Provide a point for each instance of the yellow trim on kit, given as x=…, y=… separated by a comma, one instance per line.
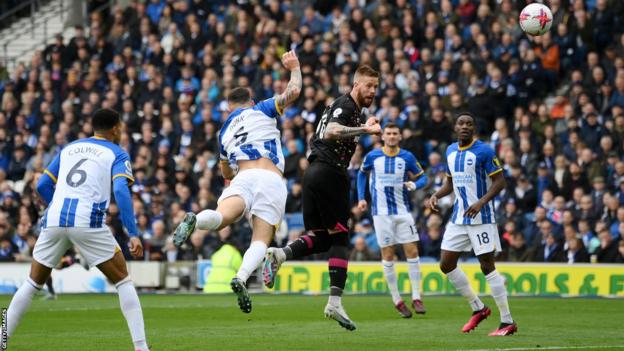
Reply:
x=496, y=171
x=277, y=107
x=124, y=175
x=50, y=175
x=462, y=148
x=383, y=149
x=98, y=137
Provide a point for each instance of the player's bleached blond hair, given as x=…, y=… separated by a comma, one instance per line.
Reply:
x=366, y=71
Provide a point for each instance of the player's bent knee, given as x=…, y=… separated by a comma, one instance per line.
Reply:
x=262, y=230
x=487, y=267
x=125, y=280
x=232, y=209
x=339, y=251
x=486, y=262
x=411, y=250
x=447, y=267
x=387, y=253
x=39, y=273
x=322, y=246
x=114, y=269
x=339, y=239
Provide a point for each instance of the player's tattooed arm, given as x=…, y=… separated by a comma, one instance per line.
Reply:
x=293, y=89
x=336, y=130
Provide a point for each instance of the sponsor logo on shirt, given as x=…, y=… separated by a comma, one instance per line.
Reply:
x=463, y=179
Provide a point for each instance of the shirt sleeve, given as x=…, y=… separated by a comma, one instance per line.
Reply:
x=413, y=165
x=123, y=198
x=45, y=188
x=122, y=167
x=53, y=168
x=490, y=162
x=367, y=164
x=447, y=170
x=222, y=154
x=341, y=114
x=361, y=184
x=269, y=107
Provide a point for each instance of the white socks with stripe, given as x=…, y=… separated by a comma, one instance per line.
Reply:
x=391, y=279
x=20, y=303
x=415, y=276
x=208, y=220
x=459, y=280
x=252, y=259
x=499, y=293
x=131, y=309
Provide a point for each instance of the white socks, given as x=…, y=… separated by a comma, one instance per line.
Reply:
x=131, y=309
x=391, y=279
x=335, y=300
x=459, y=280
x=499, y=293
x=280, y=255
x=20, y=303
x=252, y=259
x=415, y=276
x=208, y=220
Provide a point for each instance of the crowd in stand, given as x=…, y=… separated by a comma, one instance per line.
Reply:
x=551, y=106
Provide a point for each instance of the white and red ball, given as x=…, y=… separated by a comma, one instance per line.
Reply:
x=535, y=19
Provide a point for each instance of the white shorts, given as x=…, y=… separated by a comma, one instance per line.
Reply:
x=395, y=229
x=482, y=238
x=264, y=193
x=96, y=245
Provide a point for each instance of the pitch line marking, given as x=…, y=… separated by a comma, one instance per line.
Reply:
x=551, y=348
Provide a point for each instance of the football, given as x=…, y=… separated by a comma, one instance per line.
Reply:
x=535, y=19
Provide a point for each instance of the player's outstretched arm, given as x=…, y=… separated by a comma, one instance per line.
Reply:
x=126, y=212
x=293, y=89
x=498, y=184
x=336, y=130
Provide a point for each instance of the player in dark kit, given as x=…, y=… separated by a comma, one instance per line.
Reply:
x=326, y=208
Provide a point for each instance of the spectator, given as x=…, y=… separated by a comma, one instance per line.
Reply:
x=607, y=252
x=576, y=252
x=364, y=230
x=7, y=252
x=518, y=250
x=556, y=120
x=361, y=252
x=620, y=256
x=431, y=238
x=156, y=244
x=590, y=241
x=550, y=250
x=294, y=200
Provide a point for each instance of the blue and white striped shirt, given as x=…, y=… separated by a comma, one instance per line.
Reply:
x=471, y=168
x=389, y=172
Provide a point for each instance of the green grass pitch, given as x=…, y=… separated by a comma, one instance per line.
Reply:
x=294, y=322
